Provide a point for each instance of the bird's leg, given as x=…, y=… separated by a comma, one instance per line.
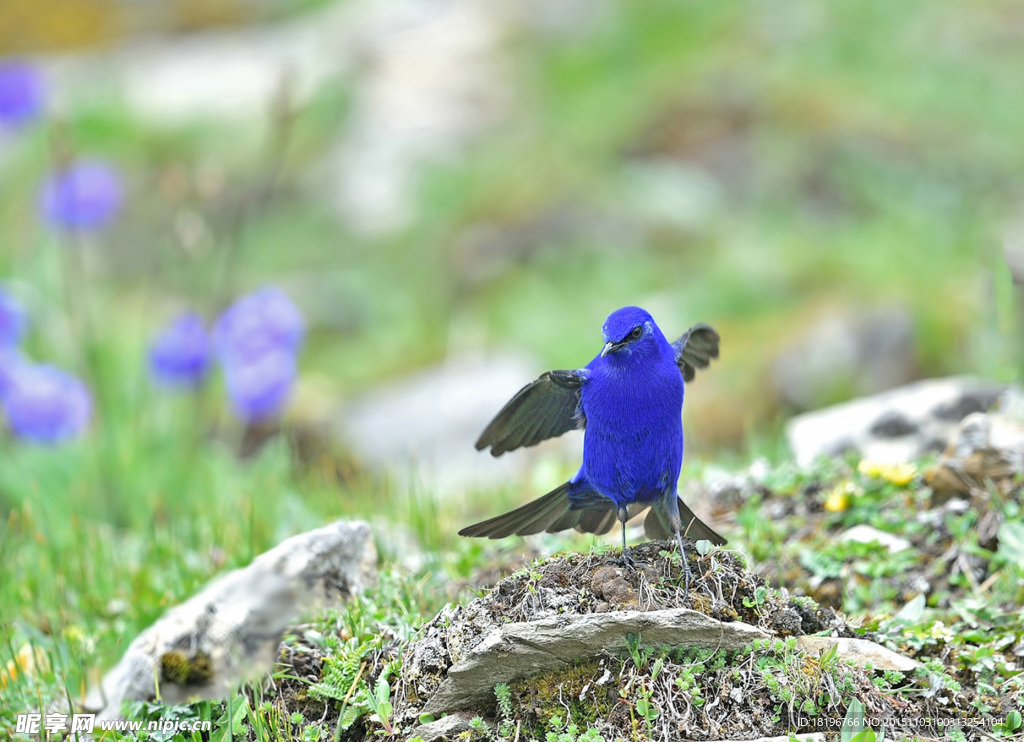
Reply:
x=627, y=560
x=686, y=566
x=677, y=525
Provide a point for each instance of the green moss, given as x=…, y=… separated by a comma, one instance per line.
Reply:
x=544, y=697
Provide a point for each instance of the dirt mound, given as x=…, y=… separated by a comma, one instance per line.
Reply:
x=767, y=688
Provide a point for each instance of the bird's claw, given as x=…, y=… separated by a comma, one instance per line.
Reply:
x=627, y=561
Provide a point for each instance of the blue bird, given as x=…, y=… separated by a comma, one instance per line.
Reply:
x=629, y=401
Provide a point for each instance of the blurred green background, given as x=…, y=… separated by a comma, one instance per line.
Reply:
x=426, y=179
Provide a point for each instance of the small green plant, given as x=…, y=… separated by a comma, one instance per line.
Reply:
x=1011, y=725
x=560, y=731
x=641, y=654
x=760, y=595
x=379, y=700
x=479, y=728
x=646, y=708
x=504, y=695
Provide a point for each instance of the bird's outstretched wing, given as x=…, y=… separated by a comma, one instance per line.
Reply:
x=552, y=513
x=542, y=409
x=695, y=349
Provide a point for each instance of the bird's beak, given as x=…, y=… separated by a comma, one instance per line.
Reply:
x=610, y=347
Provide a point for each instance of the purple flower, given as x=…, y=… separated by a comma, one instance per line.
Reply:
x=257, y=323
x=259, y=386
x=21, y=93
x=11, y=362
x=180, y=354
x=12, y=320
x=84, y=195
x=46, y=405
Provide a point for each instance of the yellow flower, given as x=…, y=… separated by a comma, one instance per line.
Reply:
x=28, y=660
x=898, y=474
x=839, y=498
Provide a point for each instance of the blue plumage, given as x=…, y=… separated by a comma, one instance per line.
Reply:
x=629, y=399
x=632, y=399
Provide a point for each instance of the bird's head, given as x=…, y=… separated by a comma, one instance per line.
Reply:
x=628, y=329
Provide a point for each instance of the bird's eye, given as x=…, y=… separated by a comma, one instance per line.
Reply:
x=637, y=332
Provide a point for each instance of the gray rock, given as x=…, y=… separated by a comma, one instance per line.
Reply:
x=423, y=428
x=445, y=728
x=893, y=427
x=860, y=651
x=519, y=650
x=858, y=352
x=230, y=631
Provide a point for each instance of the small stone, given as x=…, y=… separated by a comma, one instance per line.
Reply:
x=447, y=727
x=860, y=651
x=865, y=534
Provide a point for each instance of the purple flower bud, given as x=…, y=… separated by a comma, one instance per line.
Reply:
x=21, y=93
x=257, y=323
x=84, y=195
x=259, y=385
x=46, y=405
x=12, y=320
x=180, y=354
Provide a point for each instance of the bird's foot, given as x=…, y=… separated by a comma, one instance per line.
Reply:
x=627, y=561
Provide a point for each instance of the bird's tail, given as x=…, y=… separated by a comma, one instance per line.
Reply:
x=552, y=512
x=658, y=524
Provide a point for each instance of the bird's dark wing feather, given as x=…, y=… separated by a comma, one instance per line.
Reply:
x=542, y=409
x=587, y=511
x=657, y=526
x=553, y=512
x=695, y=349
x=597, y=519
x=533, y=517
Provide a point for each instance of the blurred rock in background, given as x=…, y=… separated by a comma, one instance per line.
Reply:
x=896, y=426
x=423, y=428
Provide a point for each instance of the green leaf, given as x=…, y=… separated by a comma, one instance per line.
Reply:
x=853, y=724
x=1011, y=541
x=912, y=612
x=865, y=735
